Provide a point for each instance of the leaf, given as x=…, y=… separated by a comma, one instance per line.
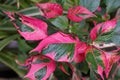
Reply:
x=112, y=5
x=79, y=13
x=60, y=51
x=41, y=68
x=94, y=59
x=80, y=29
x=41, y=73
x=30, y=11
x=60, y=22
x=65, y=68
x=3, y=34
x=7, y=40
x=83, y=67
x=60, y=1
x=58, y=46
x=54, y=9
x=60, y=74
x=28, y=27
x=105, y=37
x=92, y=5
x=8, y=59
x=67, y=4
x=7, y=26
x=116, y=37
x=92, y=75
x=41, y=1
x=7, y=8
x=23, y=46
x=25, y=3
x=103, y=29
x=23, y=27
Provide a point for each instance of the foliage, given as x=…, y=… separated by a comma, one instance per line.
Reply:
x=61, y=39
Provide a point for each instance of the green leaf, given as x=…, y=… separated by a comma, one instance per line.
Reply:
x=60, y=50
x=67, y=4
x=25, y=3
x=7, y=7
x=112, y=72
x=23, y=46
x=60, y=1
x=91, y=59
x=41, y=1
x=80, y=29
x=7, y=26
x=3, y=34
x=8, y=59
x=116, y=37
x=7, y=40
x=94, y=59
x=105, y=37
x=61, y=75
x=112, y=5
x=92, y=5
x=117, y=76
x=92, y=75
x=30, y=11
x=60, y=22
x=83, y=67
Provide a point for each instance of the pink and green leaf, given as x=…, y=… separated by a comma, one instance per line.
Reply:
x=50, y=10
x=62, y=52
x=28, y=27
x=94, y=59
x=79, y=13
x=62, y=47
x=41, y=68
x=102, y=28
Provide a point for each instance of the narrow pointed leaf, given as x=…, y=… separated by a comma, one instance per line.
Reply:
x=7, y=40
x=8, y=8
x=8, y=59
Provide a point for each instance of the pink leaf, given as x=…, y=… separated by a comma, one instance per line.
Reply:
x=108, y=59
x=101, y=28
x=50, y=10
x=38, y=63
x=59, y=37
x=79, y=13
x=39, y=27
x=81, y=49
